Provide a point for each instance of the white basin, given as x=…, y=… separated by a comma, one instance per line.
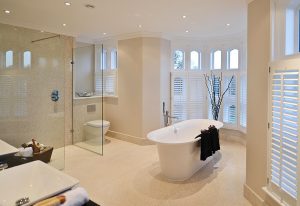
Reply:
x=6, y=149
x=35, y=180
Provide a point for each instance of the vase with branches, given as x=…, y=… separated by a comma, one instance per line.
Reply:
x=214, y=87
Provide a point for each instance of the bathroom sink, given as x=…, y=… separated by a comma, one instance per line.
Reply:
x=7, y=149
x=35, y=180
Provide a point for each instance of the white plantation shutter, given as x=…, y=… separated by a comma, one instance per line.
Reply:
x=230, y=101
x=106, y=73
x=243, y=101
x=109, y=83
x=196, y=96
x=283, y=167
x=179, y=96
x=98, y=83
x=188, y=95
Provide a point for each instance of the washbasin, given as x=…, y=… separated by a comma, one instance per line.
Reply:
x=35, y=180
x=7, y=149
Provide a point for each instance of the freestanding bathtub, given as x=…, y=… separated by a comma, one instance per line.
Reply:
x=178, y=152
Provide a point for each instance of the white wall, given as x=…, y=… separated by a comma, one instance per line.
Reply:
x=124, y=112
x=143, y=84
x=258, y=61
x=156, y=86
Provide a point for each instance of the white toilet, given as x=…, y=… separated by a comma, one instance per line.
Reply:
x=93, y=130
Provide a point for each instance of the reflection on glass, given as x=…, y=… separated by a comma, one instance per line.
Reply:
x=104, y=60
x=178, y=60
x=113, y=59
x=27, y=59
x=9, y=59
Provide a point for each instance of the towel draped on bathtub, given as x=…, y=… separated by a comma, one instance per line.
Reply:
x=209, y=142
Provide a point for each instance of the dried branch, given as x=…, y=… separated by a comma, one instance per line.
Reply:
x=226, y=90
x=216, y=96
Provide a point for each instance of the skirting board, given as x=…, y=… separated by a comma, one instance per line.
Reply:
x=252, y=197
x=256, y=200
x=128, y=138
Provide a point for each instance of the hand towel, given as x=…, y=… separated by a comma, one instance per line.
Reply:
x=76, y=197
x=26, y=152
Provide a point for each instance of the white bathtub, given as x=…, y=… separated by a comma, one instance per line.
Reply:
x=178, y=153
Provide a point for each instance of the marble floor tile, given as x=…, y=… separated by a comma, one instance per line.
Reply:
x=129, y=175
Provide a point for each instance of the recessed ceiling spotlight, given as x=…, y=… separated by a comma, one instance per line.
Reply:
x=140, y=26
x=67, y=3
x=227, y=24
x=183, y=16
x=104, y=33
x=89, y=6
x=187, y=31
x=64, y=24
x=6, y=11
x=42, y=31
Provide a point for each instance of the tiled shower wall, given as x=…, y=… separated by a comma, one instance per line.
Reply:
x=26, y=109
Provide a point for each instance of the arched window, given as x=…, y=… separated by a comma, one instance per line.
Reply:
x=113, y=59
x=178, y=60
x=234, y=59
x=217, y=59
x=195, y=60
x=26, y=59
x=9, y=58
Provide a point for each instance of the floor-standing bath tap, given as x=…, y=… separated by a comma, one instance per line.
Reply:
x=166, y=115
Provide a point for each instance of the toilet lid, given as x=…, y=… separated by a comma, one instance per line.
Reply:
x=98, y=123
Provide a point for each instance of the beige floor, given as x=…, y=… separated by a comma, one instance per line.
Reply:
x=129, y=175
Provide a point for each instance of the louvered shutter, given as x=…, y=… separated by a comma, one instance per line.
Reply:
x=284, y=135
x=110, y=83
x=98, y=83
x=179, y=96
x=243, y=101
x=196, y=96
x=230, y=101
x=106, y=79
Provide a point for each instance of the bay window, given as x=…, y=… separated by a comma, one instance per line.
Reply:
x=189, y=96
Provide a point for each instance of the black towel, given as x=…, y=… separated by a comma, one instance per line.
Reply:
x=205, y=145
x=214, y=134
x=209, y=142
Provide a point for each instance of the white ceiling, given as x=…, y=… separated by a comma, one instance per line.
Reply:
x=115, y=17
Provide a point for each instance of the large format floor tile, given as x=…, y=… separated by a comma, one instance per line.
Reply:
x=129, y=175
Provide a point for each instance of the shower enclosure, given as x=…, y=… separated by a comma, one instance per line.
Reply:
x=35, y=99
x=88, y=121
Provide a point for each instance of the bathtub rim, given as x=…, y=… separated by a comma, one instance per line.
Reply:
x=217, y=124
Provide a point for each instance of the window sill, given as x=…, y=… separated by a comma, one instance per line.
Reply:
x=272, y=196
